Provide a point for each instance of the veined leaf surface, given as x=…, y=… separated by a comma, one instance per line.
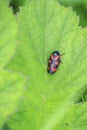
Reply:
x=49, y=103
x=10, y=89
x=10, y=84
x=8, y=31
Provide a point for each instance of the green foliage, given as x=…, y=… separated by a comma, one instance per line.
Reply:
x=10, y=90
x=17, y=3
x=8, y=34
x=82, y=13
x=80, y=6
x=51, y=102
x=71, y=2
x=10, y=84
x=85, y=3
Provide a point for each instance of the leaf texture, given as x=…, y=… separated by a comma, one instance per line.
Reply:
x=45, y=26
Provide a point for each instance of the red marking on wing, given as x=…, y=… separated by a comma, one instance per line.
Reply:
x=56, y=63
x=54, y=69
x=57, y=57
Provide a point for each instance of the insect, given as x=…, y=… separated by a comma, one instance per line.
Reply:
x=53, y=62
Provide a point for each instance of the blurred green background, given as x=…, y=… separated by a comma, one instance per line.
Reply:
x=79, y=6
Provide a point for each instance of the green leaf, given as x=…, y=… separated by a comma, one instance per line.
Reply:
x=17, y=3
x=74, y=119
x=45, y=26
x=10, y=89
x=71, y=2
x=79, y=6
x=10, y=84
x=7, y=34
x=85, y=4
x=82, y=13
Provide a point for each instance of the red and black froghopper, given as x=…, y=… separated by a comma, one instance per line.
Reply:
x=53, y=62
